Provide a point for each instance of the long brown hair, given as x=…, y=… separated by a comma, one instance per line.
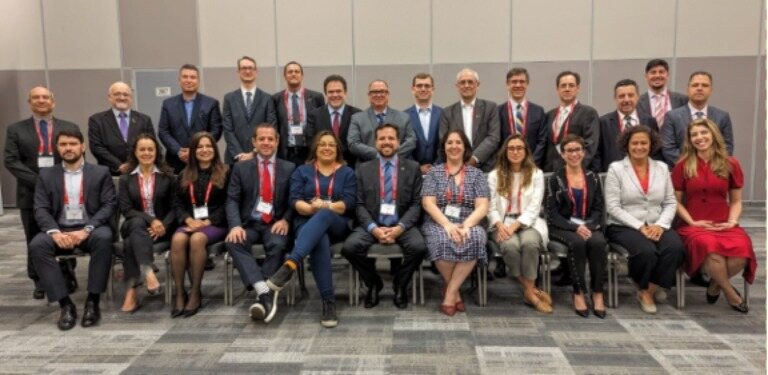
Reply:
x=719, y=162
x=218, y=169
x=504, y=167
x=133, y=162
x=312, y=157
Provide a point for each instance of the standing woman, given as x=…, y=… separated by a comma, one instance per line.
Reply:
x=323, y=194
x=517, y=189
x=201, y=198
x=709, y=182
x=146, y=201
x=455, y=196
x=641, y=206
x=575, y=212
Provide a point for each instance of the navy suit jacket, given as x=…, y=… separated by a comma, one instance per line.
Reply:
x=238, y=124
x=368, y=195
x=674, y=130
x=244, y=188
x=312, y=100
x=174, y=131
x=608, y=150
x=319, y=120
x=675, y=100
x=426, y=151
x=535, y=128
x=106, y=141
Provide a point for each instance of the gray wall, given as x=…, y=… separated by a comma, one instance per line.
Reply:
x=78, y=47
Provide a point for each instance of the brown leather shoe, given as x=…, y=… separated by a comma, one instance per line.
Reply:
x=540, y=306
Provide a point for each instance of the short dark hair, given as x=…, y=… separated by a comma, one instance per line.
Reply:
x=70, y=132
x=334, y=78
x=285, y=67
x=249, y=58
x=133, y=162
x=467, y=146
x=517, y=71
x=656, y=62
x=624, y=82
x=700, y=73
x=627, y=135
x=422, y=76
x=568, y=73
x=265, y=125
x=384, y=126
x=189, y=67
x=571, y=138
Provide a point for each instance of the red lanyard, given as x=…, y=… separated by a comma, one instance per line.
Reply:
x=566, y=124
x=40, y=150
x=394, y=182
x=643, y=181
x=448, y=190
x=583, y=198
x=519, y=199
x=82, y=190
x=192, y=193
x=511, y=117
x=288, y=108
x=330, y=184
x=146, y=197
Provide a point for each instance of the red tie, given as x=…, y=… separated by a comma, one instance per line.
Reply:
x=266, y=190
x=335, y=124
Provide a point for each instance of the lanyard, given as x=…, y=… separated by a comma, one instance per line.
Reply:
x=448, y=190
x=288, y=107
x=566, y=124
x=573, y=198
x=40, y=150
x=192, y=193
x=146, y=196
x=394, y=182
x=519, y=199
x=82, y=189
x=330, y=184
x=511, y=117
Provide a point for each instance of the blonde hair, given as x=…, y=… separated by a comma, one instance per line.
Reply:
x=504, y=167
x=719, y=162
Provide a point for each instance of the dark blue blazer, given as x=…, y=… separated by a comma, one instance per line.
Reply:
x=302, y=187
x=244, y=187
x=535, y=129
x=174, y=131
x=426, y=151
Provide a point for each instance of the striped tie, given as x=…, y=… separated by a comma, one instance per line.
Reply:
x=661, y=108
x=519, y=127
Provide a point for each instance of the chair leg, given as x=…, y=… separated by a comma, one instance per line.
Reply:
x=611, y=285
x=111, y=280
x=421, y=283
x=746, y=292
x=168, y=278
x=680, y=281
x=228, y=274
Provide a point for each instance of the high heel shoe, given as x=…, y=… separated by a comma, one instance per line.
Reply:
x=598, y=313
x=742, y=307
x=175, y=313
x=582, y=313
x=449, y=310
x=191, y=312
x=711, y=299
x=460, y=307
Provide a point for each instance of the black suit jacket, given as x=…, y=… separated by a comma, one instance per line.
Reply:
x=174, y=131
x=535, y=128
x=485, y=130
x=238, y=124
x=162, y=200
x=216, y=203
x=312, y=100
x=244, y=189
x=106, y=141
x=21, y=145
x=608, y=150
x=675, y=100
x=368, y=196
x=583, y=122
x=99, y=194
x=320, y=119
x=560, y=208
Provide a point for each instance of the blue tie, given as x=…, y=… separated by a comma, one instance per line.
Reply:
x=388, y=220
x=380, y=118
x=44, y=134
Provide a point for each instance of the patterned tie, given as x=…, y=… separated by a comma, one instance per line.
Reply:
x=661, y=109
x=248, y=101
x=44, y=134
x=699, y=115
x=336, y=125
x=519, y=128
x=295, y=109
x=380, y=118
x=266, y=190
x=387, y=220
x=627, y=121
x=123, y=125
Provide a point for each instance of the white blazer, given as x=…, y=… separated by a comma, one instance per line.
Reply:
x=626, y=203
x=531, y=198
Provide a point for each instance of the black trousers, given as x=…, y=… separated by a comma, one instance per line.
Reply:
x=650, y=262
x=274, y=245
x=30, y=230
x=297, y=155
x=138, y=248
x=581, y=252
x=358, y=243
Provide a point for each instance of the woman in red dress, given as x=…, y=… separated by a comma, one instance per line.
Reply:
x=708, y=190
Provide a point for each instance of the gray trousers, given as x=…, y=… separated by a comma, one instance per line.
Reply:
x=521, y=252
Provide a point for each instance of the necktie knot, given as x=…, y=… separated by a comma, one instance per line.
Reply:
x=699, y=114
x=519, y=107
x=122, y=115
x=266, y=163
x=44, y=124
x=380, y=118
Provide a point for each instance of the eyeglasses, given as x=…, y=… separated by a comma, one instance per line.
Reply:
x=423, y=86
x=573, y=150
x=515, y=148
x=247, y=68
x=378, y=92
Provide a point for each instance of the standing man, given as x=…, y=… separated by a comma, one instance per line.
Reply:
x=29, y=146
x=674, y=130
x=518, y=115
x=111, y=133
x=186, y=114
x=570, y=117
x=292, y=105
x=335, y=117
x=613, y=124
x=258, y=212
x=658, y=100
x=74, y=203
x=245, y=108
x=425, y=119
x=478, y=118
x=388, y=208
x=361, y=138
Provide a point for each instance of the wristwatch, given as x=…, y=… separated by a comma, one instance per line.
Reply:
x=88, y=228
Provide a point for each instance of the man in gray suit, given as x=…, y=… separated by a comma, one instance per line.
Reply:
x=245, y=108
x=361, y=137
x=673, y=132
x=478, y=118
x=658, y=100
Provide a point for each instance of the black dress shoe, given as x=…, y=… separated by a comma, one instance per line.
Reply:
x=38, y=293
x=209, y=264
x=372, y=295
x=500, y=271
x=742, y=307
x=598, y=313
x=91, y=315
x=401, y=298
x=175, y=313
x=582, y=313
x=68, y=317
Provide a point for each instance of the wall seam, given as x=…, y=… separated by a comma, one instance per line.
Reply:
x=590, y=69
x=120, y=43
x=673, y=73
x=354, y=60
x=431, y=38
x=45, y=47
x=509, y=55
x=277, y=58
x=199, y=43
x=756, y=118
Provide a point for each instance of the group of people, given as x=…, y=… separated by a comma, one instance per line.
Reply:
x=303, y=171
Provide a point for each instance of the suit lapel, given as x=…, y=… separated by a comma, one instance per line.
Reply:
x=195, y=111
x=629, y=169
x=182, y=111
x=477, y=113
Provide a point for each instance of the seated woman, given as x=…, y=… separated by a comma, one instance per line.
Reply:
x=517, y=188
x=323, y=194
x=455, y=197
x=641, y=206
x=200, y=209
x=574, y=214
x=146, y=201
x=709, y=182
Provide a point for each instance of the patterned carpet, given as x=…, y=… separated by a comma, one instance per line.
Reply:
x=504, y=337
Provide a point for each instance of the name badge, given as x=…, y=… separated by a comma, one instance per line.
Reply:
x=327, y=201
x=387, y=209
x=201, y=212
x=453, y=212
x=578, y=221
x=73, y=213
x=264, y=207
x=296, y=130
x=44, y=161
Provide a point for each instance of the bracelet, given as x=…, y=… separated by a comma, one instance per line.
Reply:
x=736, y=222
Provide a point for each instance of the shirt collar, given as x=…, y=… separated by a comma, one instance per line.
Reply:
x=117, y=112
x=37, y=119
x=243, y=90
x=633, y=115
x=383, y=160
x=470, y=105
x=419, y=109
x=340, y=110
x=694, y=110
x=137, y=170
x=515, y=103
x=261, y=159
x=76, y=171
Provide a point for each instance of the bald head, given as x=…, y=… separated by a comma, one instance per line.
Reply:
x=120, y=96
x=40, y=101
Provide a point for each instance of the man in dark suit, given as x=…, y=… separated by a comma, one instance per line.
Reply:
x=74, y=203
x=478, y=118
x=258, y=212
x=111, y=133
x=245, y=108
x=570, y=117
x=388, y=209
x=335, y=117
x=659, y=100
x=519, y=115
x=613, y=124
x=361, y=138
x=29, y=146
x=186, y=114
x=292, y=105
x=674, y=130
x=425, y=120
